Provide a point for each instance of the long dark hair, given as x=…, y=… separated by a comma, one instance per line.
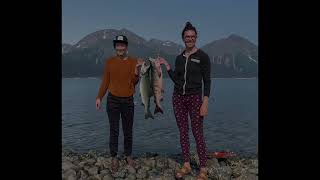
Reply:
x=187, y=27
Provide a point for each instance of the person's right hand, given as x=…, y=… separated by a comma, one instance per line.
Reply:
x=163, y=61
x=98, y=104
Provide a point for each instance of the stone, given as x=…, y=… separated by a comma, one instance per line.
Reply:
x=68, y=165
x=221, y=173
x=141, y=173
x=93, y=170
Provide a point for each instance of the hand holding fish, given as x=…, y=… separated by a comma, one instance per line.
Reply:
x=163, y=61
x=138, y=66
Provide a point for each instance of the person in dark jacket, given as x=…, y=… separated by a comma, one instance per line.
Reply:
x=192, y=71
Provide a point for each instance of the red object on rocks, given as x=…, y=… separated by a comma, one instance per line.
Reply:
x=221, y=154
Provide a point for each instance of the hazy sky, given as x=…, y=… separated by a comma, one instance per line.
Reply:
x=162, y=19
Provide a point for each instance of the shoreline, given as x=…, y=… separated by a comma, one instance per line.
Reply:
x=95, y=165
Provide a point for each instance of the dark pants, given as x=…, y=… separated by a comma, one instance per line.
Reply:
x=185, y=106
x=116, y=107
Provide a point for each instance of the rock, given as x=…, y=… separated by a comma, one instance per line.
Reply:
x=70, y=174
x=254, y=163
x=131, y=170
x=236, y=172
x=96, y=177
x=247, y=177
x=100, y=161
x=146, y=168
x=86, y=167
x=122, y=163
x=189, y=177
x=82, y=164
x=155, y=177
x=142, y=173
x=213, y=162
x=107, y=177
x=121, y=173
x=92, y=154
x=223, y=163
x=168, y=172
x=104, y=172
x=71, y=177
x=246, y=162
x=172, y=164
x=76, y=162
x=99, y=165
x=107, y=162
x=91, y=161
x=150, y=162
x=66, y=165
x=71, y=158
x=253, y=171
x=237, y=168
x=82, y=174
x=221, y=173
x=153, y=174
x=93, y=170
x=131, y=177
x=161, y=163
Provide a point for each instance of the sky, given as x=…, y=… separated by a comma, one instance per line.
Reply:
x=161, y=19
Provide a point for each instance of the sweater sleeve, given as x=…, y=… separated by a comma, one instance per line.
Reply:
x=105, y=82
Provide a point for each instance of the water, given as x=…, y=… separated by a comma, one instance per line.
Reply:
x=232, y=122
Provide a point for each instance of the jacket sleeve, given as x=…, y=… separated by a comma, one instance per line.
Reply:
x=206, y=71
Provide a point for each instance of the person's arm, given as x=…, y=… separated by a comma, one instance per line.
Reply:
x=206, y=73
x=105, y=82
x=169, y=70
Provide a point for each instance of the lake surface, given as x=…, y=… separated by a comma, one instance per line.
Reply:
x=232, y=122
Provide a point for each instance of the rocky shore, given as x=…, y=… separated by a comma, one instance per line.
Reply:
x=96, y=166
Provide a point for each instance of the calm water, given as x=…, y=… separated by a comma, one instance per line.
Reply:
x=232, y=122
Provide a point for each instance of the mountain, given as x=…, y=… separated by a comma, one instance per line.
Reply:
x=66, y=48
x=231, y=56
x=167, y=47
x=87, y=57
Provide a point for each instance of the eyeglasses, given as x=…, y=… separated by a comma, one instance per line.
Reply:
x=190, y=37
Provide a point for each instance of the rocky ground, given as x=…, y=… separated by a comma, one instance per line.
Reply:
x=96, y=166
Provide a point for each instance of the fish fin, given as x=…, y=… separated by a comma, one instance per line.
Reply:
x=158, y=109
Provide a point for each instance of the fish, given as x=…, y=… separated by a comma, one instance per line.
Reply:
x=146, y=87
x=157, y=81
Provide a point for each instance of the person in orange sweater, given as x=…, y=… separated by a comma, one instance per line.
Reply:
x=121, y=74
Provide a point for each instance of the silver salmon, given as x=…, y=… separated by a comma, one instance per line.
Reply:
x=146, y=87
x=156, y=80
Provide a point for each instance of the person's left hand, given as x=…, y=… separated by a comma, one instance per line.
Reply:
x=204, y=109
x=138, y=65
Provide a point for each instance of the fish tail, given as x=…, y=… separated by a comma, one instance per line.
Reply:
x=148, y=115
x=158, y=109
